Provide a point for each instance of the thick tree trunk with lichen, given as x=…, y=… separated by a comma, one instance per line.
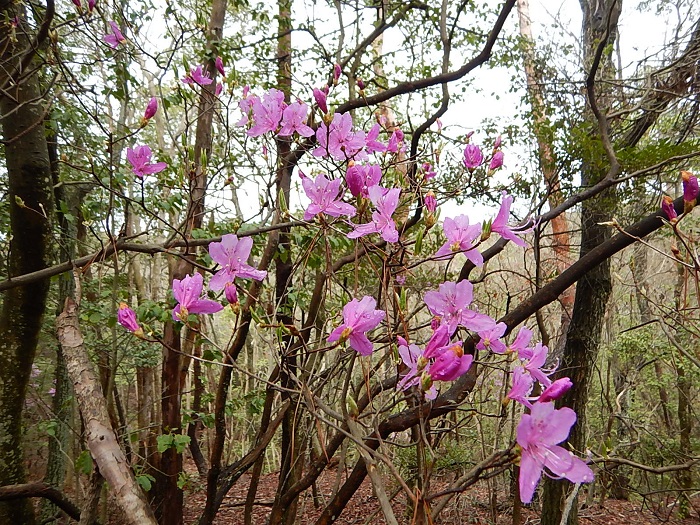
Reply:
x=30, y=202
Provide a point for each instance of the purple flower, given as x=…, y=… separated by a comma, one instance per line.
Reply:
x=522, y=386
x=77, y=3
x=500, y=223
x=451, y=363
x=450, y=304
x=197, y=75
x=115, y=37
x=91, y=5
x=231, y=293
x=497, y=143
x=395, y=141
x=519, y=344
x=321, y=100
x=461, y=237
x=324, y=197
x=473, y=157
x=127, y=318
x=294, y=119
x=267, y=112
x=668, y=209
x=372, y=145
x=232, y=254
x=538, y=435
x=385, y=201
x=430, y=201
x=536, y=358
x=359, y=317
x=219, y=64
x=336, y=73
x=490, y=339
x=140, y=160
x=428, y=171
x=361, y=178
x=690, y=186
x=338, y=140
x=151, y=109
x=557, y=389
x=187, y=293
x=412, y=357
x=246, y=107
x=496, y=161
x=361, y=85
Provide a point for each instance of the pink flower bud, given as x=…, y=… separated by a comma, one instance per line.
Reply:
x=556, y=390
x=435, y=323
x=690, y=186
x=219, y=63
x=497, y=144
x=473, y=157
x=430, y=202
x=668, y=209
x=231, y=293
x=496, y=161
x=428, y=171
x=91, y=5
x=336, y=73
x=77, y=3
x=127, y=318
x=321, y=100
x=151, y=109
x=219, y=88
x=361, y=84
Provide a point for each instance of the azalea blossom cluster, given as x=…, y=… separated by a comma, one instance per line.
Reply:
x=423, y=366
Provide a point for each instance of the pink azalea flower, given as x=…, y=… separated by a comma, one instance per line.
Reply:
x=690, y=186
x=91, y=5
x=140, y=160
x=497, y=143
x=294, y=119
x=338, y=140
x=267, y=112
x=536, y=358
x=219, y=88
x=197, y=75
x=232, y=254
x=77, y=3
x=127, y=318
x=451, y=363
x=321, y=100
x=336, y=73
x=450, y=304
x=115, y=37
x=668, y=209
x=496, y=161
x=490, y=339
x=473, y=157
x=521, y=341
x=412, y=357
x=522, y=386
x=538, y=435
x=324, y=197
x=385, y=201
x=395, y=141
x=500, y=223
x=461, y=237
x=359, y=317
x=187, y=293
x=373, y=145
x=557, y=389
x=246, y=107
x=219, y=64
x=361, y=178
x=428, y=171
x=151, y=109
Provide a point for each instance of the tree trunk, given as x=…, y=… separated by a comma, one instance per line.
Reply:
x=30, y=201
x=101, y=439
x=168, y=497
x=593, y=290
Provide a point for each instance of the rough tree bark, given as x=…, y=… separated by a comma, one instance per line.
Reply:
x=168, y=496
x=30, y=200
x=593, y=291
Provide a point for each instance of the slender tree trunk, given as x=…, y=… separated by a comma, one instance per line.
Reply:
x=169, y=498
x=561, y=242
x=593, y=290
x=30, y=201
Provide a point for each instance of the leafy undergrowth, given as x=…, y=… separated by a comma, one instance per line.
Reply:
x=473, y=507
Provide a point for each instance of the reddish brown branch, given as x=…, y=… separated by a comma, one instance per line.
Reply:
x=41, y=490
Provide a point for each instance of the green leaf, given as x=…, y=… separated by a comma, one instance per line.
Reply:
x=165, y=441
x=145, y=481
x=83, y=464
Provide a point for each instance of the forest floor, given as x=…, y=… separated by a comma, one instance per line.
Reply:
x=472, y=507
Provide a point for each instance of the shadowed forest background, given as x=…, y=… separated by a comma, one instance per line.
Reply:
x=138, y=136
